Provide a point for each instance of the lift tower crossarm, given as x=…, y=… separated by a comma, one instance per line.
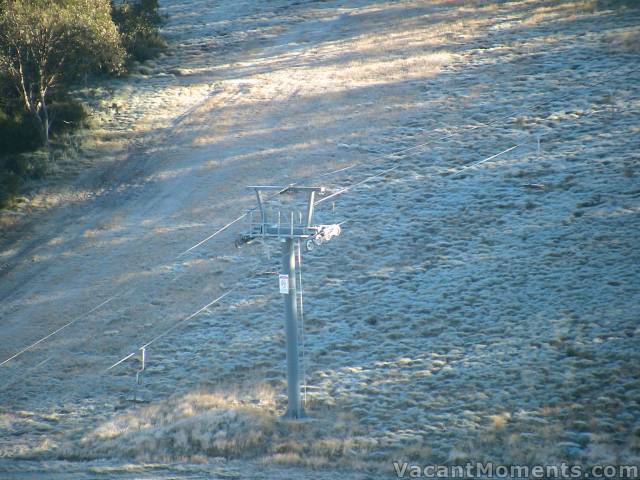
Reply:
x=288, y=189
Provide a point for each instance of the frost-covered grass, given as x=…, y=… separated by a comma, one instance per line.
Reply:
x=490, y=315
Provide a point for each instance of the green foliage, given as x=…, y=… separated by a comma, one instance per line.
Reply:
x=46, y=44
x=9, y=185
x=138, y=22
x=19, y=137
x=18, y=133
x=68, y=115
x=16, y=164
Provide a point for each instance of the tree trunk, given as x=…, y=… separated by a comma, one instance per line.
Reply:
x=45, y=119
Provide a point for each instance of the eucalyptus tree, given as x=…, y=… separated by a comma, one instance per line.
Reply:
x=46, y=44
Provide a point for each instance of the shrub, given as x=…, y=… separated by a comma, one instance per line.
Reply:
x=26, y=165
x=68, y=115
x=18, y=133
x=17, y=165
x=19, y=136
x=138, y=21
x=9, y=185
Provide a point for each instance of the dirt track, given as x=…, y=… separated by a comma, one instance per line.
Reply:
x=452, y=312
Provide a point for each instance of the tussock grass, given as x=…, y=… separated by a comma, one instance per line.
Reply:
x=241, y=424
x=627, y=41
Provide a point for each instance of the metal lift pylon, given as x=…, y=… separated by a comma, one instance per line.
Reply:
x=294, y=408
x=289, y=229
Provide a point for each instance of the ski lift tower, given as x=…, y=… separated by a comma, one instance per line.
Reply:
x=289, y=225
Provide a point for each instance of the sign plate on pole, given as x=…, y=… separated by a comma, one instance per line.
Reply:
x=284, y=284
